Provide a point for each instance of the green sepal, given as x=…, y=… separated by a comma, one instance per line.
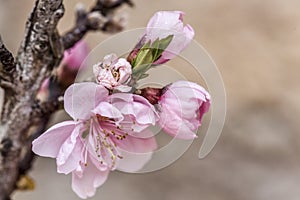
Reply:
x=147, y=55
x=144, y=56
x=158, y=46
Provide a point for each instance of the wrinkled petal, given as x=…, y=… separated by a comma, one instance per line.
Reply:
x=84, y=184
x=50, y=142
x=70, y=153
x=81, y=98
x=107, y=110
x=110, y=59
x=177, y=127
x=135, y=106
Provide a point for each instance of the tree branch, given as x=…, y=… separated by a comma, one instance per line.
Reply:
x=40, y=109
x=8, y=62
x=107, y=6
x=100, y=17
x=39, y=53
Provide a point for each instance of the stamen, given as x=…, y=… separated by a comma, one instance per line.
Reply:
x=104, y=147
x=116, y=74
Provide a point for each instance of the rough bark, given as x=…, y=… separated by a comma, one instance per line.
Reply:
x=23, y=117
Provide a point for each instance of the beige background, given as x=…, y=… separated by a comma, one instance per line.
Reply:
x=256, y=47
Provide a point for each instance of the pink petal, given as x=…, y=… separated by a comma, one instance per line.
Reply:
x=81, y=98
x=107, y=110
x=198, y=90
x=133, y=162
x=179, y=119
x=70, y=153
x=163, y=24
x=179, y=42
x=166, y=23
x=84, y=184
x=136, y=152
x=136, y=106
x=49, y=143
x=178, y=128
x=137, y=145
x=182, y=107
x=110, y=59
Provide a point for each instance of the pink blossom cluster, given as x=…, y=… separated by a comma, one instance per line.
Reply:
x=110, y=120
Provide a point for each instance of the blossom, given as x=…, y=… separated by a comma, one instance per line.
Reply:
x=166, y=23
x=102, y=136
x=183, y=105
x=113, y=73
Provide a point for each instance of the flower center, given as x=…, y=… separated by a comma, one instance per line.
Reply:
x=100, y=140
x=116, y=74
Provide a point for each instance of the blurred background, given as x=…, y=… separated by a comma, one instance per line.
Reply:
x=255, y=45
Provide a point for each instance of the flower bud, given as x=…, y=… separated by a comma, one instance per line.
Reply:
x=183, y=105
x=164, y=24
x=113, y=73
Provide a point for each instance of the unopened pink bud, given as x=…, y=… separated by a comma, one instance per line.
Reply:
x=164, y=24
x=182, y=106
x=74, y=57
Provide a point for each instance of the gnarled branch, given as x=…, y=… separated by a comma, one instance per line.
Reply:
x=38, y=55
x=7, y=60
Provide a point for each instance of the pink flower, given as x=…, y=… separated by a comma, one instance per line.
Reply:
x=165, y=23
x=113, y=73
x=103, y=136
x=74, y=57
x=183, y=105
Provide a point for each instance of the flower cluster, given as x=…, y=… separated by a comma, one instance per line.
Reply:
x=111, y=117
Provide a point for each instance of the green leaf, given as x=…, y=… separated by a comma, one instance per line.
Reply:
x=164, y=43
x=143, y=60
x=141, y=69
x=147, y=55
x=155, y=49
x=142, y=55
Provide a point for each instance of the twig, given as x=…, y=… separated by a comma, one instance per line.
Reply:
x=7, y=60
x=100, y=17
x=107, y=6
